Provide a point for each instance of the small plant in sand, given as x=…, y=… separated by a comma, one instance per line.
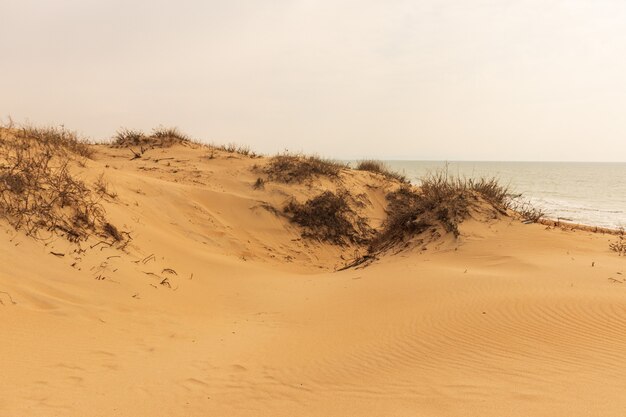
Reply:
x=619, y=246
x=529, y=212
x=102, y=187
x=381, y=168
x=259, y=184
x=329, y=217
x=289, y=168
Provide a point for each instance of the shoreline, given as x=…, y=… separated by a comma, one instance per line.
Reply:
x=579, y=226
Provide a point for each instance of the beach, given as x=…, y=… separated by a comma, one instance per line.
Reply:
x=213, y=302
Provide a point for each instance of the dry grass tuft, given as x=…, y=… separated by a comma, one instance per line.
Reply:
x=102, y=187
x=492, y=190
x=236, y=149
x=299, y=168
x=161, y=137
x=259, y=184
x=379, y=167
x=329, y=217
x=169, y=133
x=56, y=139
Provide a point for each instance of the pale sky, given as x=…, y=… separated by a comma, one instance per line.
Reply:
x=421, y=79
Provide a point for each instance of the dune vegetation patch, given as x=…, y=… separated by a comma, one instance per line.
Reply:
x=300, y=168
x=329, y=217
x=379, y=167
x=54, y=139
x=619, y=246
x=235, y=148
x=161, y=137
x=440, y=201
x=38, y=192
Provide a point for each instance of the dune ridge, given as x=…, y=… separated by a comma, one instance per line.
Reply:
x=214, y=303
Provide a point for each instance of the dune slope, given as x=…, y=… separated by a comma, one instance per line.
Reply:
x=218, y=306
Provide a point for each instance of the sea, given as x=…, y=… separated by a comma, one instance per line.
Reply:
x=586, y=193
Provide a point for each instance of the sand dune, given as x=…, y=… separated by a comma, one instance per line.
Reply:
x=218, y=306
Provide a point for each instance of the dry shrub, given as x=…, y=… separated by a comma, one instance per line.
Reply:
x=170, y=133
x=491, y=190
x=299, y=168
x=38, y=193
x=527, y=210
x=441, y=200
x=161, y=137
x=329, y=217
x=102, y=187
x=129, y=137
x=56, y=139
x=404, y=219
x=379, y=167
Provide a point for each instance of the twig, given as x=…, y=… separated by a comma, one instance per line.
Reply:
x=135, y=155
x=102, y=242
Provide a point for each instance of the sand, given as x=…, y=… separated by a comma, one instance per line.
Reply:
x=507, y=320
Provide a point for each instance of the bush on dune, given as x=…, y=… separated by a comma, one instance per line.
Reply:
x=38, y=192
x=299, y=168
x=329, y=217
x=441, y=200
x=379, y=167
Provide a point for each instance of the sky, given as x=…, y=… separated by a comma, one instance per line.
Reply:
x=529, y=80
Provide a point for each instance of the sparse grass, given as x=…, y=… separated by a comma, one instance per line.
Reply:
x=129, y=137
x=56, y=139
x=527, y=210
x=299, y=168
x=379, y=167
x=492, y=190
x=102, y=187
x=328, y=217
x=171, y=133
x=236, y=149
x=39, y=194
x=161, y=137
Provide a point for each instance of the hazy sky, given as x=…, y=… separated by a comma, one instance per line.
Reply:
x=421, y=79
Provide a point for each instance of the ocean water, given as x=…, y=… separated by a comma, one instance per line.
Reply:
x=581, y=192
